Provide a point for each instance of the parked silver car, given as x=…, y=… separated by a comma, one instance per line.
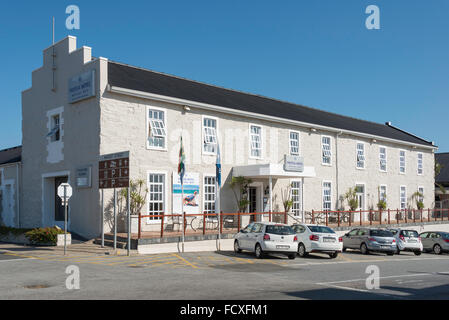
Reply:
x=370, y=240
x=266, y=237
x=435, y=241
x=407, y=240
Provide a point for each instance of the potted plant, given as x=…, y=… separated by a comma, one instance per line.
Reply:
x=138, y=199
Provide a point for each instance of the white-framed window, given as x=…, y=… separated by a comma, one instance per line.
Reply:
x=294, y=143
x=383, y=159
x=403, y=197
x=420, y=163
x=326, y=150
x=383, y=193
x=296, y=198
x=421, y=192
x=327, y=196
x=157, y=132
x=256, y=141
x=55, y=133
x=402, y=161
x=210, y=129
x=360, y=155
x=156, y=195
x=209, y=194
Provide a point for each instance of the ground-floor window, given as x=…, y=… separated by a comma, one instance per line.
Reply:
x=383, y=193
x=209, y=195
x=403, y=197
x=327, y=196
x=156, y=201
x=296, y=198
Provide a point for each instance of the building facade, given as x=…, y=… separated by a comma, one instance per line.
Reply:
x=116, y=108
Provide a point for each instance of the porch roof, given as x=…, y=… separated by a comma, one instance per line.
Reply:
x=272, y=170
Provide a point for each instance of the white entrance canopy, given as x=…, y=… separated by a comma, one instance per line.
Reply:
x=271, y=170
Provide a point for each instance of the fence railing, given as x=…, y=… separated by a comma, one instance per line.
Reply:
x=202, y=224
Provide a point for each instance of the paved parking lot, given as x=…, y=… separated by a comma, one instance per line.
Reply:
x=40, y=274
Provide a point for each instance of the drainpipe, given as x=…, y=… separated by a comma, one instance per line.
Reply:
x=336, y=167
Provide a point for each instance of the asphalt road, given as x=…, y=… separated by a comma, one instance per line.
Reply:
x=35, y=274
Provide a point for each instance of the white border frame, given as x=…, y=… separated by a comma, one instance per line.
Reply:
x=52, y=175
x=321, y=151
x=322, y=194
x=204, y=153
x=405, y=162
x=207, y=175
x=166, y=194
x=386, y=159
x=386, y=192
x=262, y=141
x=364, y=195
x=290, y=143
x=357, y=155
x=417, y=163
x=406, y=197
x=147, y=135
x=300, y=196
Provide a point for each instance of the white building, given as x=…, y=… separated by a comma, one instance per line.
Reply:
x=146, y=112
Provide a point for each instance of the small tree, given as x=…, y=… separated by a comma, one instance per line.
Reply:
x=351, y=198
x=418, y=197
x=287, y=200
x=438, y=168
x=240, y=187
x=138, y=196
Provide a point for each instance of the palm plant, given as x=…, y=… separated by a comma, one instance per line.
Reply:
x=240, y=187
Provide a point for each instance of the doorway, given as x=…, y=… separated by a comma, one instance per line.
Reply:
x=252, y=198
x=59, y=208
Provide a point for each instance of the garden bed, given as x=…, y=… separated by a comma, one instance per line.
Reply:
x=35, y=237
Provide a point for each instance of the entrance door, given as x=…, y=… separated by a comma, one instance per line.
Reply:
x=360, y=188
x=59, y=209
x=252, y=197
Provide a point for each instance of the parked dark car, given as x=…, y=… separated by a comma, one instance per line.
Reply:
x=370, y=240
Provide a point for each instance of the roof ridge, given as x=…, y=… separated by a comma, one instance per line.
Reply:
x=252, y=94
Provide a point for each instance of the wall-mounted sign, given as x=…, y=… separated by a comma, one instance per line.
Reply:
x=293, y=163
x=84, y=177
x=82, y=87
x=114, y=171
x=191, y=201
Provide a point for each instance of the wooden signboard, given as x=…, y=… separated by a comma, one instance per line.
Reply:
x=114, y=171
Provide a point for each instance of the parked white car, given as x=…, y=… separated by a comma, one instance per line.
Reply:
x=407, y=240
x=315, y=238
x=263, y=238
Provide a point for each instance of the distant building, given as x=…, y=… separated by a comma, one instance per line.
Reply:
x=80, y=108
x=442, y=181
x=10, y=169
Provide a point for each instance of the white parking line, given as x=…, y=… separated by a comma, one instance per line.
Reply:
x=11, y=260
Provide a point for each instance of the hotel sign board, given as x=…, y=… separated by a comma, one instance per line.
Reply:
x=84, y=177
x=293, y=164
x=114, y=171
x=82, y=86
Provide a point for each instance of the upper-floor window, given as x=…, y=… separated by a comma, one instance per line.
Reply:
x=327, y=196
x=402, y=162
x=256, y=141
x=157, y=133
x=326, y=150
x=294, y=143
x=55, y=133
x=420, y=163
x=383, y=158
x=210, y=135
x=360, y=155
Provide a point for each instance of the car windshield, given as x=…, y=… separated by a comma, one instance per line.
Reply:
x=446, y=236
x=319, y=229
x=410, y=233
x=381, y=233
x=280, y=230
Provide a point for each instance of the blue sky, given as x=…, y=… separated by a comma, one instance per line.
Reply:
x=316, y=53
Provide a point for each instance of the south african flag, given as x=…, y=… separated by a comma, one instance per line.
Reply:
x=182, y=166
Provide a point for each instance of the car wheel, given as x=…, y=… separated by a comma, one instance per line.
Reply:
x=259, y=252
x=437, y=249
x=292, y=256
x=390, y=253
x=302, y=251
x=364, y=249
x=417, y=253
x=333, y=255
x=398, y=251
x=237, y=247
x=344, y=249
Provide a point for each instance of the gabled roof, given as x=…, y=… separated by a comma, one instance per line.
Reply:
x=12, y=155
x=129, y=77
x=443, y=159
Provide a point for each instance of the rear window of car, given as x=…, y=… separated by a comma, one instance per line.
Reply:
x=380, y=233
x=446, y=236
x=410, y=233
x=319, y=229
x=280, y=230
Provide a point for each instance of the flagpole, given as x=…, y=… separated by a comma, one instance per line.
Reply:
x=217, y=195
x=183, y=215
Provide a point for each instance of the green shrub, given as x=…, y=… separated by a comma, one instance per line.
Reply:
x=4, y=231
x=44, y=235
